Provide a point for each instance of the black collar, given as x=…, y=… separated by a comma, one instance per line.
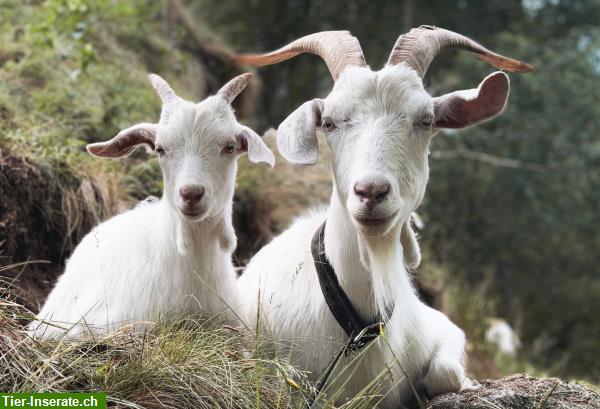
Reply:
x=359, y=331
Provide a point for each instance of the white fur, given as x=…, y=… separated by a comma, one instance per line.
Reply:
x=378, y=136
x=501, y=334
x=162, y=257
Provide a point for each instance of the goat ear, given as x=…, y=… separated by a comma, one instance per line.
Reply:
x=297, y=135
x=410, y=246
x=464, y=108
x=125, y=142
x=257, y=150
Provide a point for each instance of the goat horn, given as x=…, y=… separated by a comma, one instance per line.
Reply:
x=233, y=88
x=163, y=89
x=420, y=46
x=338, y=49
x=167, y=96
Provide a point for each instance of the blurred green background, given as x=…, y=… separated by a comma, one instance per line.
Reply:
x=512, y=211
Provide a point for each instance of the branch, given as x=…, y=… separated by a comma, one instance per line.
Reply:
x=196, y=42
x=218, y=60
x=490, y=159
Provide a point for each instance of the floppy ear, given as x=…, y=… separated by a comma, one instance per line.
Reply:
x=410, y=246
x=297, y=135
x=464, y=108
x=125, y=142
x=249, y=141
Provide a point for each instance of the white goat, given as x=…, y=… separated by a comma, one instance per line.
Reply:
x=172, y=255
x=503, y=336
x=379, y=126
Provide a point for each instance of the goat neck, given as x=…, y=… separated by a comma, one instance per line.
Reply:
x=368, y=268
x=214, y=232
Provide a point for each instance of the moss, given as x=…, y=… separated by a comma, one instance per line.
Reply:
x=51, y=105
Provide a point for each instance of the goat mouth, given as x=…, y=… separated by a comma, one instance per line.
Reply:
x=192, y=213
x=375, y=221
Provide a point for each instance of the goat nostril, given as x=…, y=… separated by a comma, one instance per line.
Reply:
x=372, y=193
x=191, y=194
x=382, y=192
x=360, y=190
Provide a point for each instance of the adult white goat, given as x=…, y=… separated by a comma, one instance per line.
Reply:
x=172, y=255
x=378, y=126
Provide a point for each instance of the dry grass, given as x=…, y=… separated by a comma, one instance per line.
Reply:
x=182, y=362
x=178, y=363
x=44, y=212
x=186, y=362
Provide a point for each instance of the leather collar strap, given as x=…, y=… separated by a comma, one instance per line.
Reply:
x=339, y=304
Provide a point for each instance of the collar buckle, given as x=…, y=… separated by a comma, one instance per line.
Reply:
x=364, y=337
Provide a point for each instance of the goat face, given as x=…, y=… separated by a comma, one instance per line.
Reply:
x=378, y=126
x=197, y=152
x=197, y=146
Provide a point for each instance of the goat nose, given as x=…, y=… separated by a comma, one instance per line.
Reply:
x=191, y=193
x=371, y=193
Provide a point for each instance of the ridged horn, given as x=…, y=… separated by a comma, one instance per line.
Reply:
x=233, y=88
x=420, y=46
x=339, y=49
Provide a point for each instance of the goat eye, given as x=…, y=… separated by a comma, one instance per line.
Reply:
x=229, y=148
x=328, y=124
x=160, y=150
x=425, y=122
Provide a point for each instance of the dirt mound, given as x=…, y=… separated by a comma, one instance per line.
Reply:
x=44, y=211
x=521, y=392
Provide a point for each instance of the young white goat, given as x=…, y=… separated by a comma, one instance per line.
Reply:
x=172, y=255
x=378, y=127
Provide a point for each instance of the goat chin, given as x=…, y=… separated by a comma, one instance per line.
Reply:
x=420, y=347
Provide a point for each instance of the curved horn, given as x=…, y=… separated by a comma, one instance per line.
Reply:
x=163, y=89
x=338, y=49
x=233, y=88
x=167, y=96
x=419, y=47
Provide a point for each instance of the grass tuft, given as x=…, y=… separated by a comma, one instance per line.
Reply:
x=181, y=362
